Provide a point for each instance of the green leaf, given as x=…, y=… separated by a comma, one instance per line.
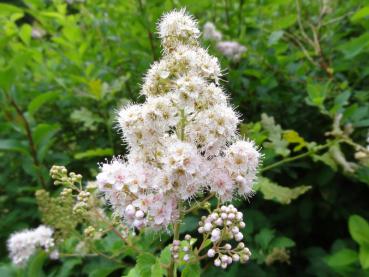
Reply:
x=156, y=270
x=25, y=33
x=355, y=46
x=67, y=266
x=13, y=145
x=192, y=270
x=35, y=264
x=282, y=242
x=317, y=93
x=360, y=14
x=275, y=192
x=6, y=9
x=264, y=237
x=341, y=258
x=132, y=273
x=104, y=270
x=98, y=152
x=43, y=135
x=275, y=133
x=359, y=229
x=364, y=256
x=275, y=37
x=165, y=256
x=284, y=22
x=144, y=263
x=327, y=159
x=293, y=137
x=40, y=100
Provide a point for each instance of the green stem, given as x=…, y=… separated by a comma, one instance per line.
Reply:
x=198, y=205
x=291, y=159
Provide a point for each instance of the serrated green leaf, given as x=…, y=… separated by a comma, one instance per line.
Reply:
x=156, y=270
x=275, y=192
x=317, y=93
x=144, y=263
x=165, y=256
x=293, y=137
x=275, y=136
x=192, y=270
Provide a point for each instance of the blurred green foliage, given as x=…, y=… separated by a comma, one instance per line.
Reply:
x=302, y=87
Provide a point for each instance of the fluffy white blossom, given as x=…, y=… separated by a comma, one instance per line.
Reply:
x=231, y=49
x=22, y=245
x=210, y=32
x=182, y=140
x=178, y=27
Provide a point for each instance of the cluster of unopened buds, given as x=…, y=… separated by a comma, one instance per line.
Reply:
x=61, y=176
x=224, y=224
x=81, y=205
x=184, y=246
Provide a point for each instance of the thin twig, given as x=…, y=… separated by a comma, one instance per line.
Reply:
x=147, y=27
x=31, y=142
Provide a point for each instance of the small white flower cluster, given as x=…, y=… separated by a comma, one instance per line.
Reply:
x=22, y=245
x=224, y=224
x=231, y=49
x=210, y=32
x=182, y=140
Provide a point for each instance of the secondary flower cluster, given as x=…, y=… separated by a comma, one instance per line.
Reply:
x=224, y=224
x=22, y=245
x=231, y=49
x=182, y=140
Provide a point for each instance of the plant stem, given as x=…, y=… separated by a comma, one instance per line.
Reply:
x=31, y=142
x=147, y=27
x=199, y=204
x=291, y=159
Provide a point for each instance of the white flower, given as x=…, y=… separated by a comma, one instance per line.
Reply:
x=231, y=49
x=22, y=245
x=177, y=27
x=211, y=33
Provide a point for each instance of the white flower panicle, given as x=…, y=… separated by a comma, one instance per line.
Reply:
x=22, y=245
x=182, y=141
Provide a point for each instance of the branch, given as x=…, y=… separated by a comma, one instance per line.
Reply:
x=31, y=142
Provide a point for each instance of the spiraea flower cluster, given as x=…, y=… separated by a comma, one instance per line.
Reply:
x=230, y=49
x=224, y=225
x=22, y=245
x=182, y=141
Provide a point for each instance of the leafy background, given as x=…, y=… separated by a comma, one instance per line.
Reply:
x=302, y=88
